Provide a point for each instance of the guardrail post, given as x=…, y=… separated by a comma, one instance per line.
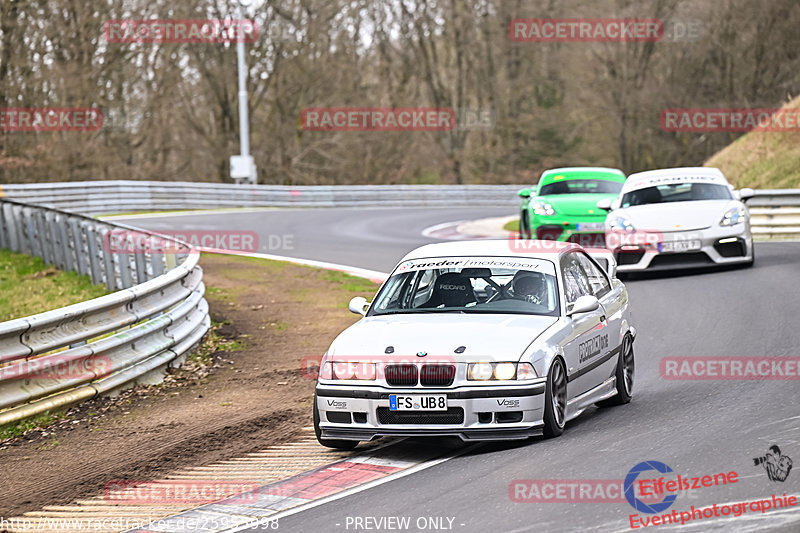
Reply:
x=157, y=264
x=70, y=259
x=56, y=224
x=79, y=245
x=11, y=230
x=141, y=266
x=108, y=263
x=34, y=246
x=94, y=254
x=41, y=231
x=3, y=229
x=16, y=216
x=124, y=270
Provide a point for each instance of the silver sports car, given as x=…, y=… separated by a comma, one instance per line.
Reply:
x=678, y=218
x=478, y=340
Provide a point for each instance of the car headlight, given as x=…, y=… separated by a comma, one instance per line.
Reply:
x=500, y=371
x=733, y=216
x=347, y=370
x=480, y=371
x=620, y=224
x=542, y=208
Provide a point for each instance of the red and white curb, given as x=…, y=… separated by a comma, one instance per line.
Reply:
x=268, y=504
x=484, y=228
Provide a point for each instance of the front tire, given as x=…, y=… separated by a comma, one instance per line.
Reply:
x=555, y=400
x=624, y=374
x=330, y=443
x=524, y=230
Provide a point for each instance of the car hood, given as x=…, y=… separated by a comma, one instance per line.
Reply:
x=487, y=337
x=677, y=216
x=577, y=204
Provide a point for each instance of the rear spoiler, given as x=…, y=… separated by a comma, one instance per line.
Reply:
x=606, y=260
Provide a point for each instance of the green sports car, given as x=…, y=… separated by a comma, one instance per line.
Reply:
x=563, y=206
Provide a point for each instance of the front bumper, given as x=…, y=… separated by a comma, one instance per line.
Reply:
x=586, y=230
x=474, y=413
x=736, y=248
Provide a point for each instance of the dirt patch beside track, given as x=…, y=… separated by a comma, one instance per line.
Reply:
x=244, y=392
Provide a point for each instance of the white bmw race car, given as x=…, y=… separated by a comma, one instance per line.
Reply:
x=678, y=218
x=476, y=340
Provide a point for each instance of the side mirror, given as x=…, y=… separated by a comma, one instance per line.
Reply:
x=616, y=203
x=746, y=193
x=359, y=305
x=584, y=304
x=524, y=193
x=604, y=204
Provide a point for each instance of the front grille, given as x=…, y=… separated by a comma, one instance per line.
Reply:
x=681, y=259
x=628, y=258
x=404, y=375
x=589, y=240
x=549, y=233
x=508, y=417
x=454, y=415
x=338, y=417
x=437, y=375
x=731, y=249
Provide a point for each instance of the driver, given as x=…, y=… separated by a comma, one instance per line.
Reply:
x=531, y=287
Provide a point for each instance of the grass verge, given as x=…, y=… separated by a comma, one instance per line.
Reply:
x=29, y=286
x=762, y=160
x=512, y=225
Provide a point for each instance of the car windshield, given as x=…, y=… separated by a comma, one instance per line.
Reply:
x=676, y=192
x=470, y=285
x=579, y=186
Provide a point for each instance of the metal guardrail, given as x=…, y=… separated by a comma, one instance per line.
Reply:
x=97, y=197
x=774, y=212
x=70, y=354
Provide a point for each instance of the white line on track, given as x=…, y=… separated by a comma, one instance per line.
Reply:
x=372, y=275
x=192, y=212
x=354, y=490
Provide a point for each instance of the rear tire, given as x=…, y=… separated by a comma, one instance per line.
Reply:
x=555, y=400
x=625, y=372
x=330, y=443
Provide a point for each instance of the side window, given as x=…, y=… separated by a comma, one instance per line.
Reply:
x=424, y=287
x=575, y=282
x=597, y=279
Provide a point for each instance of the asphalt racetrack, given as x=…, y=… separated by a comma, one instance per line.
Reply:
x=696, y=427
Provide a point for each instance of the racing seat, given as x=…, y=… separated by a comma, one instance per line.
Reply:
x=451, y=289
x=650, y=195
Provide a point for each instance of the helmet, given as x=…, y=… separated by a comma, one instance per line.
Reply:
x=531, y=287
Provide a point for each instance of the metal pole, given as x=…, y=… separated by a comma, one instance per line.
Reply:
x=244, y=124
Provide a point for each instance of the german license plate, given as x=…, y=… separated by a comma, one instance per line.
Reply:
x=590, y=226
x=418, y=402
x=679, y=246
